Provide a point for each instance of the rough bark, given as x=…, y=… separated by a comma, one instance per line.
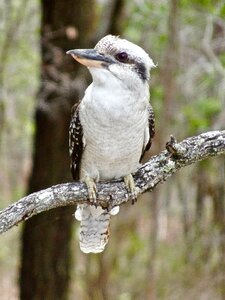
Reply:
x=46, y=238
x=110, y=194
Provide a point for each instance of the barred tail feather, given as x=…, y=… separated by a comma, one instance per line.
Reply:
x=94, y=228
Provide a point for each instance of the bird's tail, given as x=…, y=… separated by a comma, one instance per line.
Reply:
x=94, y=227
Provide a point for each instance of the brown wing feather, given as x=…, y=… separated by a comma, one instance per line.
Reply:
x=151, y=125
x=76, y=145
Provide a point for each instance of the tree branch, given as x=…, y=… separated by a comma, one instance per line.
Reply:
x=110, y=194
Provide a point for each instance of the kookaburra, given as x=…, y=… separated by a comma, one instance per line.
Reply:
x=111, y=128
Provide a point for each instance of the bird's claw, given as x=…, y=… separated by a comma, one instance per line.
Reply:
x=92, y=190
x=130, y=185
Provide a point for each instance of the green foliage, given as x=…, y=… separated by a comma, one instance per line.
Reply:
x=222, y=59
x=222, y=10
x=211, y=6
x=200, y=114
x=146, y=19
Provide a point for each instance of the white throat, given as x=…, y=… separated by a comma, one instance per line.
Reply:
x=108, y=87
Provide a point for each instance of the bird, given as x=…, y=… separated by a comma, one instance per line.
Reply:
x=110, y=130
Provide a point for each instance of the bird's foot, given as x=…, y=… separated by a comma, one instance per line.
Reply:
x=130, y=185
x=92, y=190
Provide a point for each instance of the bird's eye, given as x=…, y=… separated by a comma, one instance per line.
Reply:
x=122, y=56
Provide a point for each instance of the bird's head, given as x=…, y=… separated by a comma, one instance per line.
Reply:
x=112, y=55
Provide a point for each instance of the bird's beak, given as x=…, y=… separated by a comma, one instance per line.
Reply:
x=90, y=58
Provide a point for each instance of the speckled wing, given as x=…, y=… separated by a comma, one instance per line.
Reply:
x=76, y=145
x=150, y=131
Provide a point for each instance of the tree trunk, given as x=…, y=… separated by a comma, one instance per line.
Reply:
x=46, y=238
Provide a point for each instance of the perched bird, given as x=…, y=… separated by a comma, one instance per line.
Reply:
x=110, y=129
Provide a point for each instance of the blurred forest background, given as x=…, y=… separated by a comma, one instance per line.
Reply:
x=170, y=245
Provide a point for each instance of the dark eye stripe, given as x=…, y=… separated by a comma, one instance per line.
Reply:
x=141, y=70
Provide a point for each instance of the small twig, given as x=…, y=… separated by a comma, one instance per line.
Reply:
x=175, y=149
